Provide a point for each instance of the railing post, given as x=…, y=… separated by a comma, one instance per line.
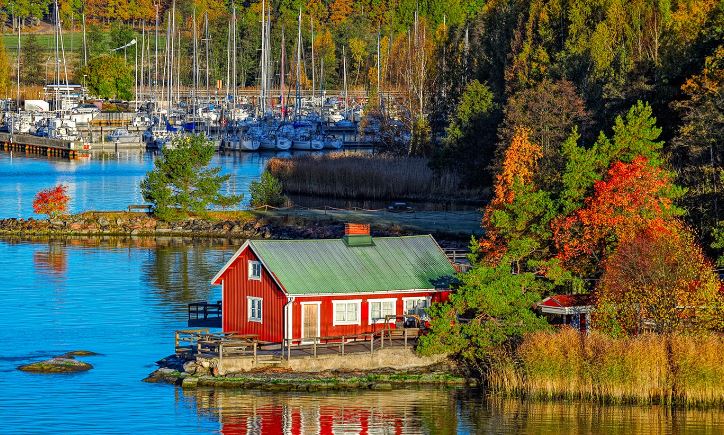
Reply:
x=343, y=345
x=382, y=339
x=315, y=346
x=289, y=350
x=255, y=353
x=221, y=356
x=405, y=335
x=177, y=341
x=372, y=343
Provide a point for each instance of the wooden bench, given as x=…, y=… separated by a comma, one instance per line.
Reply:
x=140, y=207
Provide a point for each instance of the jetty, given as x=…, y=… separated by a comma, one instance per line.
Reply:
x=44, y=146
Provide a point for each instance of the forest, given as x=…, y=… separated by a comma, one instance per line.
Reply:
x=470, y=75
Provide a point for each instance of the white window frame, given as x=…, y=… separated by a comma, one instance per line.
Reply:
x=250, y=309
x=428, y=300
x=357, y=302
x=381, y=301
x=251, y=264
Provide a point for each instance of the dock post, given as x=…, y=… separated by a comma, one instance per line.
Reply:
x=255, y=353
x=315, y=346
x=343, y=345
x=221, y=356
x=405, y=334
x=372, y=343
x=176, y=340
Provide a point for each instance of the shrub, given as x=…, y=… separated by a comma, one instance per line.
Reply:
x=267, y=191
x=51, y=202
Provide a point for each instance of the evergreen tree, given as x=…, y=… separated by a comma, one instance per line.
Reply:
x=181, y=182
x=32, y=61
x=109, y=76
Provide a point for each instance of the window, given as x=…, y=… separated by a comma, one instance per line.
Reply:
x=346, y=312
x=379, y=308
x=255, y=270
x=416, y=306
x=254, y=309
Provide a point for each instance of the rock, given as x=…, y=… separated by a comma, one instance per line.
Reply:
x=190, y=367
x=190, y=383
x=381, y=386
x=56, y=365
x=73, y=353
x=205, y=364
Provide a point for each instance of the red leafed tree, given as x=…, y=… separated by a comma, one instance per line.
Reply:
x=52, y=202
x=518, y=168
x=632, y=196
x=658, y=278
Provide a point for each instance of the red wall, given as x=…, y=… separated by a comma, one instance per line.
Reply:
x=326, y=318
x=237, y=286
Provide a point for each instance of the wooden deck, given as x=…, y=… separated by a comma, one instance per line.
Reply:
x=229, y=345
x=30, y=144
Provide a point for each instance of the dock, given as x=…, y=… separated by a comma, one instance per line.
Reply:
x=44, y=146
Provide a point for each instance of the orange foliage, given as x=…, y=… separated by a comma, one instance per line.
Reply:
x=340, y=10
x=660, y=276
x=519, y=166
x=631, y=197
x=52, y=202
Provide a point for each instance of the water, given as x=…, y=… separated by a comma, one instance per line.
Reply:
x=124, y=298
x=103, y=184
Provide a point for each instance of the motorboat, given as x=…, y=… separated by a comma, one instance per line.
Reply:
x=122, y=135
x=333, y=142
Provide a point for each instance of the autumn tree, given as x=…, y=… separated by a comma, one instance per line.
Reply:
x=6, y=70
x=358, y=50
x=659, y=276
x=632, y=197
x=550, y=110
x=52, y=202
x=339, y=11
x=698, y=148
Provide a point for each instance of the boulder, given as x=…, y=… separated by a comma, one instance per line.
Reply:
x=57, y=365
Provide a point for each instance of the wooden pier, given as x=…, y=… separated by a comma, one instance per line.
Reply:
x=29, y=144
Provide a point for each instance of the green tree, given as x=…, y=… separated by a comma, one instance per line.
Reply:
x=470, y=137
x=109, y=76
x=267, y=191
x=181, y=182
x=32, y=61
x=489, y=311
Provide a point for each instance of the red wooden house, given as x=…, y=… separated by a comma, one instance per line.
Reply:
x=301, y=289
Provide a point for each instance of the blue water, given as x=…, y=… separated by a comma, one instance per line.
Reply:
x=123, y=298
x=103, y=184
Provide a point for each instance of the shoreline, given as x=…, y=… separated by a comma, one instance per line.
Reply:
x=240, y=225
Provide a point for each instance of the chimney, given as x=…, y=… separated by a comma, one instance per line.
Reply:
x=357, y=235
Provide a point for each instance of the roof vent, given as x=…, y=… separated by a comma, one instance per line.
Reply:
x=357, y=235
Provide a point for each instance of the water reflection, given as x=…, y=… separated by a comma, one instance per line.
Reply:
x=52, y=261
x=435, y=411
x=180, y=272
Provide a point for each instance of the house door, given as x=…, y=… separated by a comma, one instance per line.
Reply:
x=310, y=321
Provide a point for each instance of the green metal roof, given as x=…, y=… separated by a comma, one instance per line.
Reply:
x=331, y=266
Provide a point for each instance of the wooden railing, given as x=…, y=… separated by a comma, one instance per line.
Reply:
x=204, y=310
x=341, y=344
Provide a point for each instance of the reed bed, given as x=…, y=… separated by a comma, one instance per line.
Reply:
x=353, y=175
x=664, y=369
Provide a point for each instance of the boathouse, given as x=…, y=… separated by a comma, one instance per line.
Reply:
x=303, y=289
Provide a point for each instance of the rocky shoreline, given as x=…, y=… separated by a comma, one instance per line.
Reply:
x=245, y=225
x=184, y=373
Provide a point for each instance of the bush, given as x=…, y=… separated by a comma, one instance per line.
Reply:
x=51, y=202
x=267, y=191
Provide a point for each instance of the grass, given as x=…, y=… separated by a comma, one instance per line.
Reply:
x=365, y=176
x=675, y=369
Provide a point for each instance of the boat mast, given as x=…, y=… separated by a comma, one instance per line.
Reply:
x=17, y=103
x=207, y=40
x=262, y=76
x=344, y=71
x=196, y=69
x=85, y=44
x=234, y=90
x=143, y=55
x=298, y=103
x=281, y=80
x=313, y=78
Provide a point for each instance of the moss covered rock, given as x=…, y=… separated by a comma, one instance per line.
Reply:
x=57, y=365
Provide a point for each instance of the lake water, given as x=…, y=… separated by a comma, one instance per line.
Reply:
x=103, y=183
x=124, y=298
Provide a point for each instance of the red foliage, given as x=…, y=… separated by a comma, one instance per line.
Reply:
x=631, y=197
x=52, y=202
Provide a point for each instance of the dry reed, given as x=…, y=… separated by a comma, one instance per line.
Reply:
x=367, y=176
x=667, y=369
